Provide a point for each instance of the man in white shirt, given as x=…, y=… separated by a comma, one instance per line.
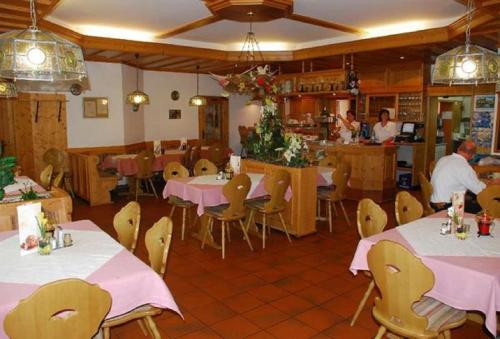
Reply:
x=453, y=174
x=348, y=125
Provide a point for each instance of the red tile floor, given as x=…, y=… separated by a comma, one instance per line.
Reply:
x=298, y=290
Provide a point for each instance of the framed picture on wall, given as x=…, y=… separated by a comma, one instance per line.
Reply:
x=484, y=102
x=95, y=107
x=174, y=114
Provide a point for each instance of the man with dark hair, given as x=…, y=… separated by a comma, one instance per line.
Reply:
x=454, y=174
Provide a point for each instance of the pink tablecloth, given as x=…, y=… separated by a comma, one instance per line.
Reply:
x=120, y=275
x=467, y=283
x=206, y=195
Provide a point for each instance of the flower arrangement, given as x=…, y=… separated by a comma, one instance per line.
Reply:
x=269, y=144
x=44, y=246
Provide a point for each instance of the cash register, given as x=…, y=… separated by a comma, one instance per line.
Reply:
x=410, y=132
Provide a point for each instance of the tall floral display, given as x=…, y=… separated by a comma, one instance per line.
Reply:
x=270, y=142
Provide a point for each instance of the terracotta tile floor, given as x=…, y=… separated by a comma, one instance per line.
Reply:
x=297, y=290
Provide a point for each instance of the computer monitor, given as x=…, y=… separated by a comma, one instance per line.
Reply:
x=408, y=128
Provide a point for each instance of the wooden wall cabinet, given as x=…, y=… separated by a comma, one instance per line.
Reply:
x=31, y=124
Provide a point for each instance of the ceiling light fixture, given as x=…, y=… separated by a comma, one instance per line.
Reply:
x=197, y=100
x=467, y=64
x=7, y=89
x=250, y=48
x=137, y=97
x=32, y=54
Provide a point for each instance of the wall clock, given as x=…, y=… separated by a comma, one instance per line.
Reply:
x=175, y=95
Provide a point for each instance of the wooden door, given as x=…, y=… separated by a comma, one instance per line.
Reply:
x=213, y=122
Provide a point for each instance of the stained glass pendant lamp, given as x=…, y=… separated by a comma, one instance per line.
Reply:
x=7, y=89
x=137, y=97
x=197, y=100
x=33, y=54
x=467, y=64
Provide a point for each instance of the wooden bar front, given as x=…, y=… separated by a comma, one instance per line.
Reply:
x=300, y=214
x=373, y=169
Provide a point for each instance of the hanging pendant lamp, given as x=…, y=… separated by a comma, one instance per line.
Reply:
x=197, y=100
x=7, y=89
x=33, y=54
x=467, y=64
x=137, y=97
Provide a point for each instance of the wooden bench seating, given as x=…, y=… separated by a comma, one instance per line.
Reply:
x=88, y=183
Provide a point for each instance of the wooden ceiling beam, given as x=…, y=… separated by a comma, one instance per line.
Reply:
x=14, y=17
x=189, y=26
x=186, y=64
x=200, y=64
x=434, y=35
x=94, y=53
x=480, y=17
x=154, y=59
x=324, y=24
x=14, y=25
x=168, y=62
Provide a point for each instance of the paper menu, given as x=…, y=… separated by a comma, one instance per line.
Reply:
x=28, y=227
x=183, y=144
x=235, y=162
x=157, y=147
x=458, y=204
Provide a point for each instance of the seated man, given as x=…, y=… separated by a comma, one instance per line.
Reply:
x=453, y=174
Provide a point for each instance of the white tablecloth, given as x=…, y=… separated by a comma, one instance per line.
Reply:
x=90, y=250
x=417, y=234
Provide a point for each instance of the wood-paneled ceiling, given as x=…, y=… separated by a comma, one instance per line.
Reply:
x=163, y=55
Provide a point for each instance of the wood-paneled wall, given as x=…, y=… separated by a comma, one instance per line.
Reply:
x=31, y=124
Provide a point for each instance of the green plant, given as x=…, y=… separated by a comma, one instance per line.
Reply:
x=28, y=194
x=7, y=165
x=42, y=222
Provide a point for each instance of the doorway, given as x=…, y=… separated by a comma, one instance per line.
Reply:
x=213, y=122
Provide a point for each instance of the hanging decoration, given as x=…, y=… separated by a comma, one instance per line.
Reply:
x=197, y=100
x=137, y=97
x=467, y=64
x=33, y=54
x=7, y=89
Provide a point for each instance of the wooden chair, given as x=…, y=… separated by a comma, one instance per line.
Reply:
x=432, y=165
x=328, y=161
x=276, y=186
x=126, y=224
x=194, y=156
x=145, y=171
x=186, y=156
x=407, y=208
x=340, y=177
x=204, y=167
x=58, y=180
x=46, y=177
x=37, y=315
x=171, y=171
x=57, y=159
x=217, y=155
x=235, y=191
x=158, y=239
x=371, y=220
x=427, y=189
x=403, y=279
x=489, y=199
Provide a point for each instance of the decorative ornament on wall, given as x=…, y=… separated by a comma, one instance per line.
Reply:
x=174, y=95
x=76, y=89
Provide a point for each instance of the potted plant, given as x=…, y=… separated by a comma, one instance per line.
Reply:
x=7, y=165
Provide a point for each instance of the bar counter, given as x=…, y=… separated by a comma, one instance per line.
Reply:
x=373, y=169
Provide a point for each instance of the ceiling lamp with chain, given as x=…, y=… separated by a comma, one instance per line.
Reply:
x=467, y=64
x=33, y=54
x=250, y=49
x=7, y=89
x=197, y=100
x=137, y=97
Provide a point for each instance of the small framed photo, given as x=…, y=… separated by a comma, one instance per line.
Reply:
x=95, y=107
x=484, y=102
x=174, y=114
